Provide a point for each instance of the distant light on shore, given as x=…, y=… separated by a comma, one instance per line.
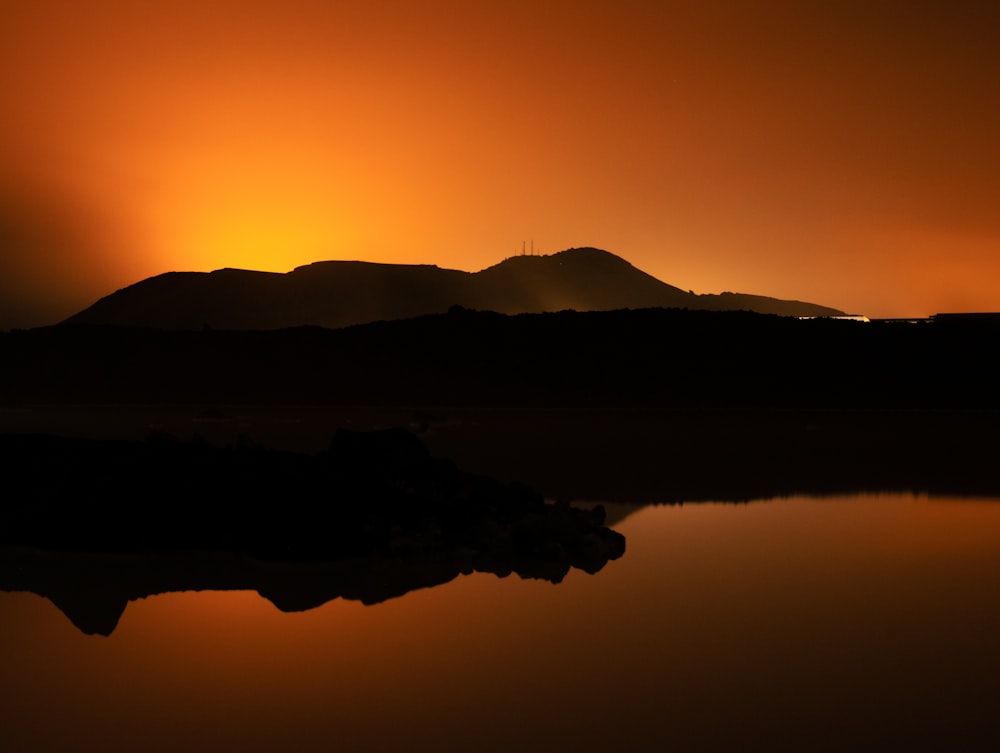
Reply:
x=848, y=317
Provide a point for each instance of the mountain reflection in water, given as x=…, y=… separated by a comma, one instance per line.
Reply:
x=94, y=589
x=865, y=622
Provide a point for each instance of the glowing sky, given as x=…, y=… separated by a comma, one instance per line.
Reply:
x=841, y=152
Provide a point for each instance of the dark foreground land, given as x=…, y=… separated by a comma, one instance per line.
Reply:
x=644, y=405
x=650, y=358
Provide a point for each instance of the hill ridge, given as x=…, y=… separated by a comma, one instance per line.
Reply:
x=339, y=293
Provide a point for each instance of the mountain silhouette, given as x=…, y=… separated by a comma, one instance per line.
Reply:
x=342, y=293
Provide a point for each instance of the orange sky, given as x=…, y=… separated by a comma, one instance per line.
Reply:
x=841, y=152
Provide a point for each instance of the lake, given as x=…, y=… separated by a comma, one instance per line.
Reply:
x=861, y=622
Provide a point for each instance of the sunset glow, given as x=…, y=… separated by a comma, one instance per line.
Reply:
x=842, y=153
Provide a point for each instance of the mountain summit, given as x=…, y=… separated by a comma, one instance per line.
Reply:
x=341, y=293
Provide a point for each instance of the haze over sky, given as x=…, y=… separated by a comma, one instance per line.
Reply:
x=842, y=152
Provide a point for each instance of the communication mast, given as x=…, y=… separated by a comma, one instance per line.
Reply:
x=525, y=249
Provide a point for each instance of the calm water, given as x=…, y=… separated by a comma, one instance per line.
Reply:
x=861, y=623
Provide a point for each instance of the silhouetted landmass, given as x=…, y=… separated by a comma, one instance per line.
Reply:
x=643, y=405
x=651, y=405
x=342, y=293
x=94, y=524
x=650, y=357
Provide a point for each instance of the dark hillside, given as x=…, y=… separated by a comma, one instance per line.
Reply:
x=583, y=279
x=660, y=357
x=342, y=293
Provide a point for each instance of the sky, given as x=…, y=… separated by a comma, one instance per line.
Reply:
x=839, y=152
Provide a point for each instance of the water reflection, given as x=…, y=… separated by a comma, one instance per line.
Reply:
x=94, y=589
x=866, y=622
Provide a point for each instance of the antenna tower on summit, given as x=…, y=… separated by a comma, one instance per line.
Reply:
x=525, y=250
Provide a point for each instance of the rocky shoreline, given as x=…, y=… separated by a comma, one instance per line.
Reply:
x=99, y=523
